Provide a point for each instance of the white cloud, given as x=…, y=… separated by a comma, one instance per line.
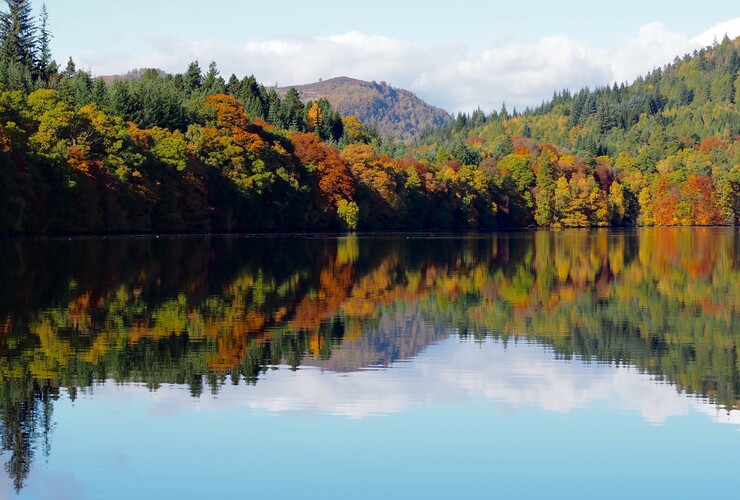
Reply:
x=730, y=28
x=517, y=74
x=654, y=46
x=450, y=76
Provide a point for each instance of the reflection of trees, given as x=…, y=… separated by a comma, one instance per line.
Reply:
x=26, y=410
x=204, y=312
x=664, y=300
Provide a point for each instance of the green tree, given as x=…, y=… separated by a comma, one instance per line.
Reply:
x=254, y=97
x=291, y=111
x=233, y=86
x=18, y=33
x=213, y=83
x=79, y=88
x=70, y=69
x=101, y=94
x=193, y=77
x=273, y=108
x=505, y=146
x=544, y=191
x=45, y=66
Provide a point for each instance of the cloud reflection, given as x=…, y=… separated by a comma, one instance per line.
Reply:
x=517, y=378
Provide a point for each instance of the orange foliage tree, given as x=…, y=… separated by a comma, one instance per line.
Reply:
x=665, y=203
x=698, y=204
x=332, y=179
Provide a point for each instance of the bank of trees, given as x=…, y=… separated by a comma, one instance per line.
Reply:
x=661, y=151
x=194, y=152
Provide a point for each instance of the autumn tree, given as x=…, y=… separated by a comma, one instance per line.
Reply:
x=617, y=204
x=330, y=177
x=664, y=205
x=314, y=117
x=698, y=205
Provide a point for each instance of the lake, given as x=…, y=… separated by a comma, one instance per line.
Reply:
x=573, y=363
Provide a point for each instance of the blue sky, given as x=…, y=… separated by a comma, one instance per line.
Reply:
x=458, y=55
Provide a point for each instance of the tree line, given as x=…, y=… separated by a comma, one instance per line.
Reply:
x=660, y=151
x=194, y=152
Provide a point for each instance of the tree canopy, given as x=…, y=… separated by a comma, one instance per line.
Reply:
x=194, y=152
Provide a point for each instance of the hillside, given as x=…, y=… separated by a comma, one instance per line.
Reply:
x=692, y=98
x=134, y=74
x=395, y=112
x=193, y=152
x=662, y=150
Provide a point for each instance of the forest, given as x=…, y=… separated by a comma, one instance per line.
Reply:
x=197, y=153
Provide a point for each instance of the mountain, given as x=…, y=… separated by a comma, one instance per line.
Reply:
x=133, y=75
x=395, y=112
x=672, y=107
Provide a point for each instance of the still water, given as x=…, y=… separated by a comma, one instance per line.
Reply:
x=576, y=363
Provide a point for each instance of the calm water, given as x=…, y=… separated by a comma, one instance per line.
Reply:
x=558, y=364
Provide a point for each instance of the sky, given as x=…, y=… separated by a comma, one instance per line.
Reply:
x=458, y=55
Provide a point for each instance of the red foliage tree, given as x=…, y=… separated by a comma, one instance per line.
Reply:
x=665, y=205
x=332, y=178
x=699, y=202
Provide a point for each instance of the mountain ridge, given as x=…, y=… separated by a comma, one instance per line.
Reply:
x=396, y=112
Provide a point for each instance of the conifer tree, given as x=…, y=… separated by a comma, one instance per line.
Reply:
x=18, y=33
x=70, y=69
x=46, y=66
x=273, y=112
x=193, y=77
x=292, y=111
x=213, y=83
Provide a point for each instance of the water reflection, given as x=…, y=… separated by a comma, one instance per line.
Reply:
x=520, y=378
x=209, y=313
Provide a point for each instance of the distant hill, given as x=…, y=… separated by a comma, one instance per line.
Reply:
x=134, y=74
x=673, y=107
x=395, y=112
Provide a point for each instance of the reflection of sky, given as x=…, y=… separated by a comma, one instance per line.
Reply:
x=518, y=378
x=461, y=419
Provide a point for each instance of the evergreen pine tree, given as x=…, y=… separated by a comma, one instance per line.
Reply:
x=292, y=111
x=273, y=112
x=193, y=78
x=121, y=102
x=233, y=87
x=213, y=83
x=254, y=97
x=70, y=69
x=100, y=93
x=45, y=65
x=526, y=131
x=18, y=33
